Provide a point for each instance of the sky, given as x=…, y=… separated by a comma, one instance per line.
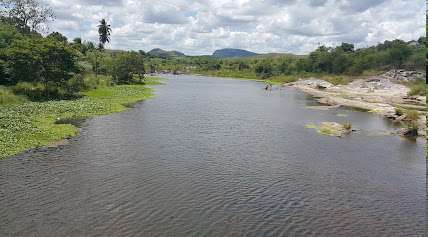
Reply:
x=202, y=26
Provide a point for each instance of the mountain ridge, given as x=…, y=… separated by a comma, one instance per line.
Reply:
x=233, y=53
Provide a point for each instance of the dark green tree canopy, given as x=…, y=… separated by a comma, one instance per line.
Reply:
x=57, y=36
x=104, y=31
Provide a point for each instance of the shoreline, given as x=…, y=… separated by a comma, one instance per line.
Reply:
x=382, y=102
x=38, y=125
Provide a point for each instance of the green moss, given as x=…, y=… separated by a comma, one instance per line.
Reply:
x=35, y=124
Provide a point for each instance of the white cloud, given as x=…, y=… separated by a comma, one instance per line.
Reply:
x=202, y=26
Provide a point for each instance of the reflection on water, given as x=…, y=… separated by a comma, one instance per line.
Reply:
x=211, y=157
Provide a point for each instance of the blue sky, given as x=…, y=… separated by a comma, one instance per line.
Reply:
x=202, y=26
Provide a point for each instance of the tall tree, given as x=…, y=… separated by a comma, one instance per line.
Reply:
x=104, y=31
x=27, y=15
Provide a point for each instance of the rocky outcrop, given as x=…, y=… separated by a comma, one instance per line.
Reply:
x=375, y=94
x=403, y=75
x=314, y=83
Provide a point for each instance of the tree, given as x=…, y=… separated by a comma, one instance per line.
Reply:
x=58, y=37
x=39, y=60
x=3, y=73
x=104, y=31
x=27, y=15
x=77, y=40
x=137, y=62
x=398, y=53
x=264, y=70
x=320, y=60
x=126, y=65
x=347, y=48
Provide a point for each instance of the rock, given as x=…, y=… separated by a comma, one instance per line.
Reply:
x=326, y=101
x=401, y=118
x=403, y=75
x=408, y=132
x=315, y=83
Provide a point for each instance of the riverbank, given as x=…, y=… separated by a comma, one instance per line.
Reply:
x=28, y=125
x=373, y=94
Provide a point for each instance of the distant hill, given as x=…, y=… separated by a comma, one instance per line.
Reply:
x=233, y=53
x=165, y=54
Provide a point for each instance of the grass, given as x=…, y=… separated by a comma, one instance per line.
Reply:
x=7, y=97
x=35, y=124
x=417, y=88
x=336, y=80
x=331, y=128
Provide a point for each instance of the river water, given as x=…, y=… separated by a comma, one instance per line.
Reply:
x=218, y=157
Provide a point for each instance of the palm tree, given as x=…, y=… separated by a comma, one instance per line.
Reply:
x=104, y=30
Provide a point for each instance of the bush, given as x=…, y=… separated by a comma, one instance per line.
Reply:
x=264, y=71
x=125, y=66
x=34, y=91
x=48, y=91
x=399, y=111
x=418, y=88
x=75, y=85
x=412, y=115
x=7, y=97
x=347, y=126
x=337, y=80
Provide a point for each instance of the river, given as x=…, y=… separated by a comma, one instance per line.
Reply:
x=219, y=157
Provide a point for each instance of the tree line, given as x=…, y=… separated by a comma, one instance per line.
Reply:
x=52, y=67
x=344, y=59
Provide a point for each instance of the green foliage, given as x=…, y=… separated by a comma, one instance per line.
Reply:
x=57, y=36
x=125, y=66
x=343, y=60
x=399, y=111
x=264, y=70
x=347, y=126
x=35, y=59
x=336, y=80
x=7, y=97
x=412, y=115
x=104, y=31
x=418, y=88
x=77, y=40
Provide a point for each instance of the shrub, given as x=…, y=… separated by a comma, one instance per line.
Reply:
x=347, y=126
x=418, y=88
x=47, y=91
x=336, y=80
x=264, y=70
x=75, y=85
x=7, y=97
x=412, y=115
x=399, y=111
x=34, y=91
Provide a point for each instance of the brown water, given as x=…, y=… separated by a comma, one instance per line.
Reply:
x=211, y=157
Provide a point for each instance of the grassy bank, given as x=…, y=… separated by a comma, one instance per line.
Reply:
x=27, y=125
